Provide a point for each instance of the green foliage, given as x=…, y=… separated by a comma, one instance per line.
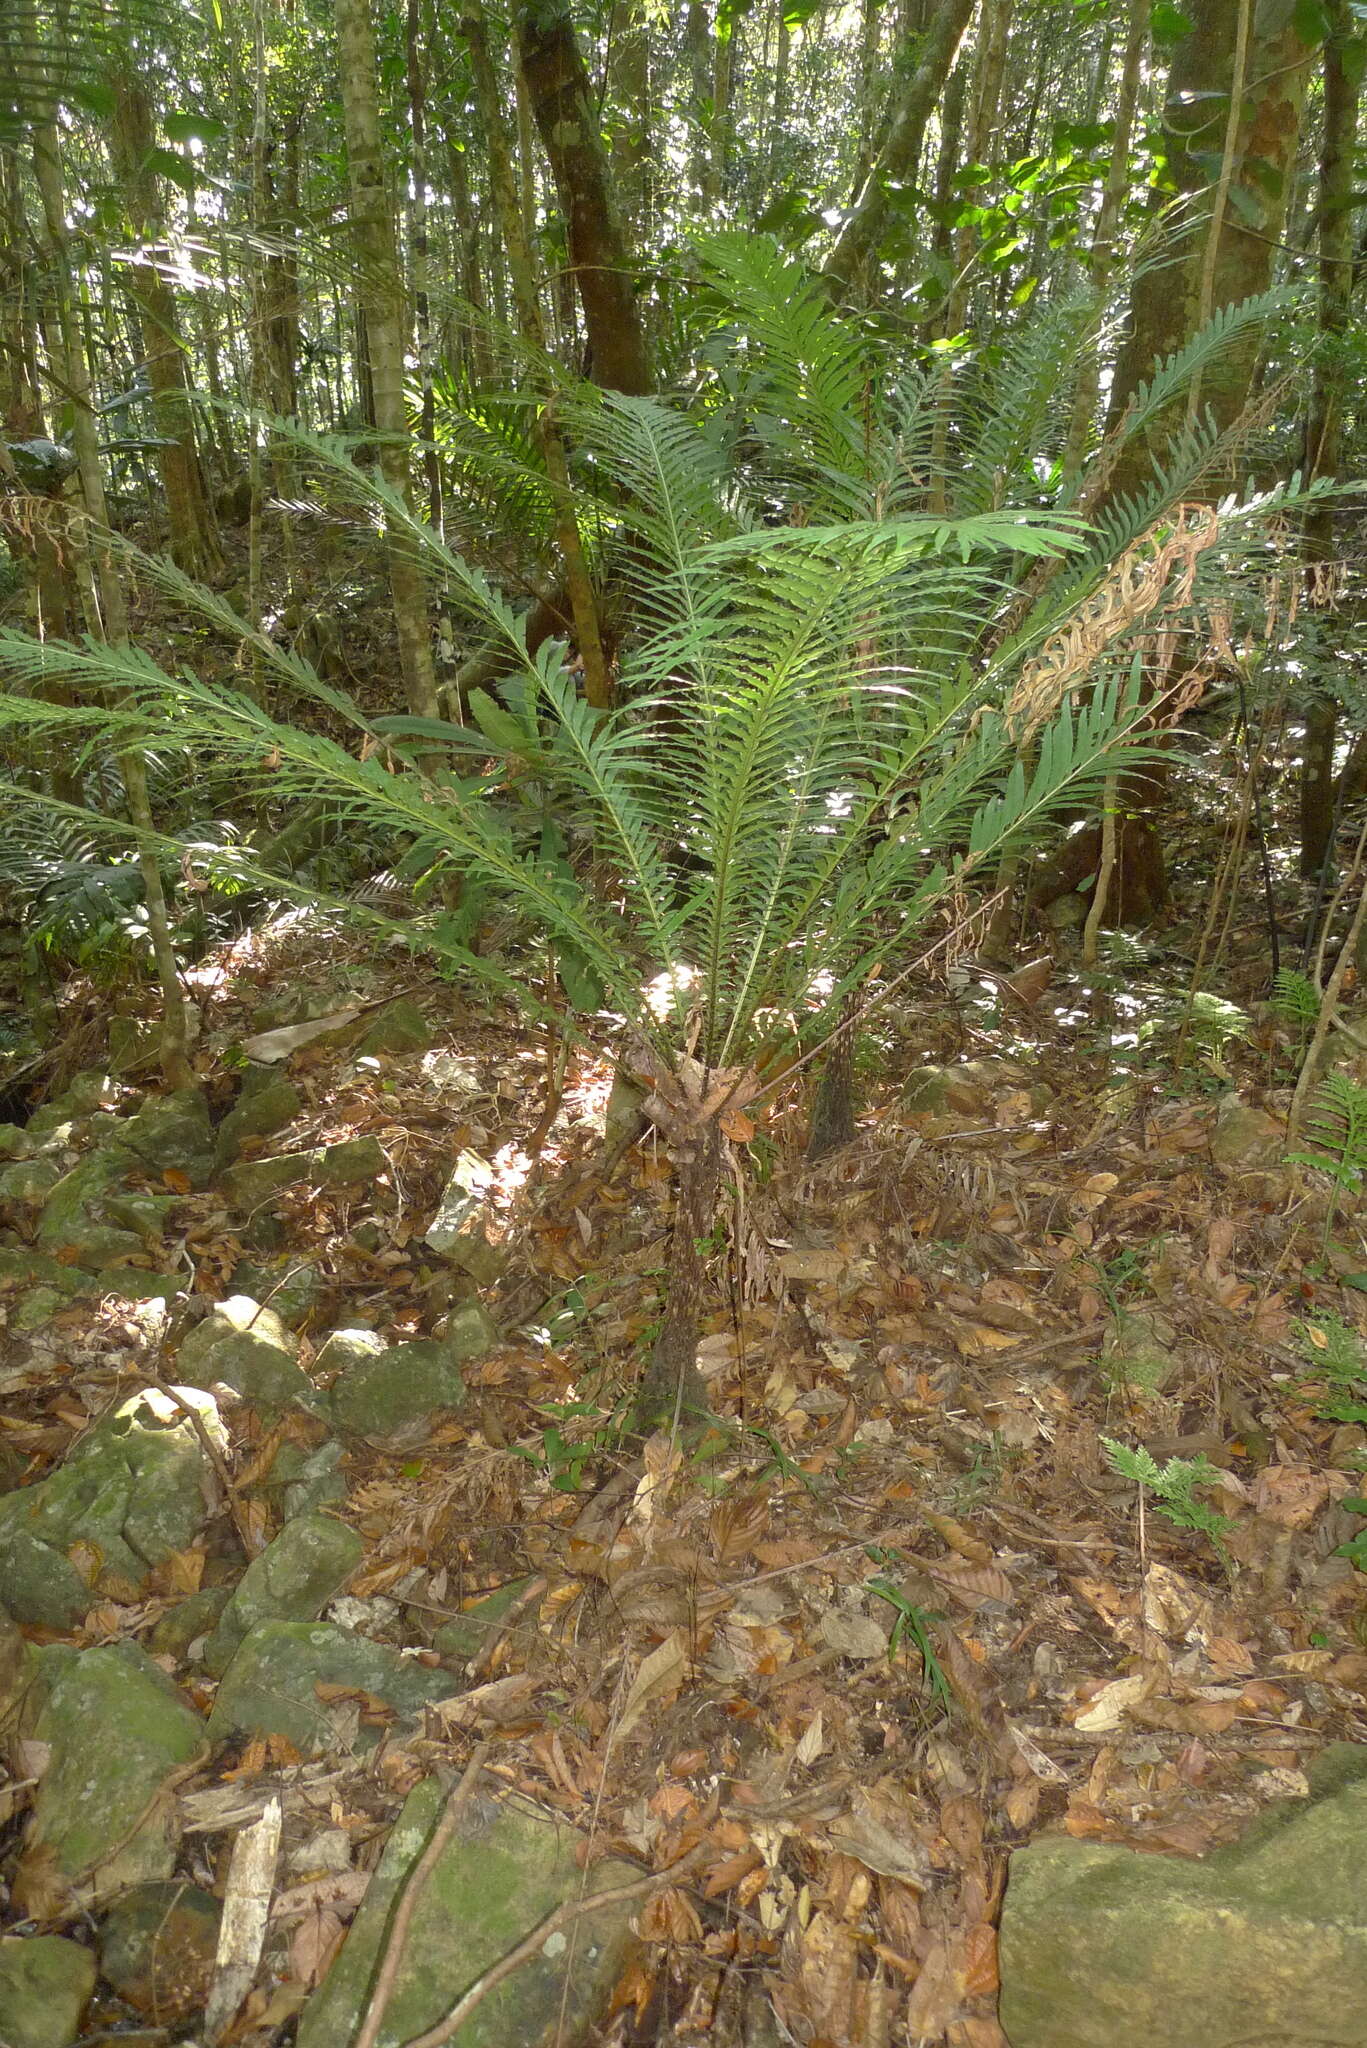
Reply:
x=913, y=1625
x=1173, y=1487
x=1295, y=1003
x=577, y=1433
x=1335, y=1132
x=1334, y=1351
x=837, y=709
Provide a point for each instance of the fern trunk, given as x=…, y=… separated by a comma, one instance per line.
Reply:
x=673, y=1387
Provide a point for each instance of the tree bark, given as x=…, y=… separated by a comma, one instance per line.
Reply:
x=673, y=1388
x=597, y=686
x=857, y=242
x=97, y=575
x=1324, y=423
x=567, y=120
x=1222, y=260
x=381, y=303
x=189, y=510
x=1101, y=256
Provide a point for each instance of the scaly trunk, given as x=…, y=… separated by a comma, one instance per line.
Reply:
x=597, y=686
x=673, y=1388
x=1236, y=177
x=97, y=575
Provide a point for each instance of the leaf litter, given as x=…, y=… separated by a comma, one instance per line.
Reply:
x=898, y=1616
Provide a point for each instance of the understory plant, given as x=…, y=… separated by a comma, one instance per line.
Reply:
x=1172, y=1488
x=837, y=714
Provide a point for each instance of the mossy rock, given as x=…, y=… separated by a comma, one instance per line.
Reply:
x=271, y=1686
x=119, y=1734
x=503, y=1872
x=292, y=1579
x=46, y=1982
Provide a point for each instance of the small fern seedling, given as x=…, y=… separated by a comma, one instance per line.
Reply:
x=1336, y=1140
x=1173, y=1489
x=1338, y=1362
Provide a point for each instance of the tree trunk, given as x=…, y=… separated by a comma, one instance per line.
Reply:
x=1101, y=257
x=1324, y=424
x=673, y=1388
x=629, y=85
x=567, y=120
x=418, y=254
x=698, y=43
x=1237, y=204
x=856, y=245
x=189, y=510
x=380, y=294
x=1235, y=168
x=833, y=1123
x=106, y=611
x=597, y=687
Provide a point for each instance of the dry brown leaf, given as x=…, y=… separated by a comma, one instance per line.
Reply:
x=958, y=1538
x=315, y=1942
x=980, y=1961
x=972, y=1584
x=662, y=1673
x=670, y=1916
x=1291, y=1495
x=1107, y=1709
x=1186, y=1717
x=724, y=1876
x=937, y=1996
x=738, y=1523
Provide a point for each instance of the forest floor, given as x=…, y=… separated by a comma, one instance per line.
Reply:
x=905, y=1613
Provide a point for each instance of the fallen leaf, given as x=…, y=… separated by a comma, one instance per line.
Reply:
x=1108, y=1708
x=662, y=1672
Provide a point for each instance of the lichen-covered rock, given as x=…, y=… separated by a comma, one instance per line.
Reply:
x=1264, y=1941
x=183, y=1625
x=242, y=1345
x=73, y=1222
x=172, y=1134
x=395, y=1397
x=1245, y=1139
x=29, y=1181
x=1137, y=1354
x=294, y=1288
x=511, y=1865
x=340, y=1350
x=157, y=1948
x=399, y=1027
x=292, y=1580
x=470, y=1632
x=267, y=1103
x=132, y=1494
x=305, y=1481
x=271, y=1686
x=119, y=1735
x=257, y=1181
x=458, y=1230
x=46, y=1983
